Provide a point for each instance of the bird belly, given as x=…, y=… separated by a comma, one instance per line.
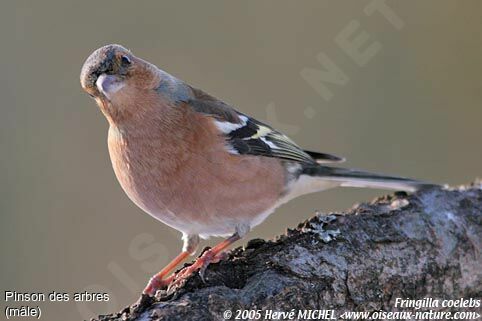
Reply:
x=209, y=194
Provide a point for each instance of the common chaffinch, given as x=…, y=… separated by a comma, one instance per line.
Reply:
x=197, y=164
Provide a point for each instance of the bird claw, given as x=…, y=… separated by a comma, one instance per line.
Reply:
x=156, y=284
x=201, y=273
x=200, y=265
x=211, y=258
x=178, y=282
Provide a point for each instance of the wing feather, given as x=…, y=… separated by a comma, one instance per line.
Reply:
x=248, y=136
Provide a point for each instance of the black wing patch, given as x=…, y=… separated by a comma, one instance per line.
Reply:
x=246, y=135
x=256, y=138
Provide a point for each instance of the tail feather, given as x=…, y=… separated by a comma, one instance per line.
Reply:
x=356, y=178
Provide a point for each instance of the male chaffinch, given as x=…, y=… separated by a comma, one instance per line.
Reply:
x=197, y=164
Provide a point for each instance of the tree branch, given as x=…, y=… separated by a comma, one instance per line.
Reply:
x=426, y=244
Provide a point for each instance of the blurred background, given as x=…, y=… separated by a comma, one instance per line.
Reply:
x=410, y=104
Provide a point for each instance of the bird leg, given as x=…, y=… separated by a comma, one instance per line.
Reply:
x=212, y=255
x=159, y=281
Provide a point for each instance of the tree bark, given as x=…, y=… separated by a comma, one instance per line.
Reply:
x=423, y=245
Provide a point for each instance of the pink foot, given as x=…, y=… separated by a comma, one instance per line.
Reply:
x=200, y=264
x=156, y=283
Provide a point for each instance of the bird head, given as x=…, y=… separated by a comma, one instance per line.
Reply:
x=126, y=87
x=112, y=75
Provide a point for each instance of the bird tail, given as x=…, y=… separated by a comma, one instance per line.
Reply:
x=355, y=178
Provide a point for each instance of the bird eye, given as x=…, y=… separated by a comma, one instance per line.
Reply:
x=125, y=60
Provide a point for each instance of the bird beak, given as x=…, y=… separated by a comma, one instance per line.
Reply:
x=108, y=85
